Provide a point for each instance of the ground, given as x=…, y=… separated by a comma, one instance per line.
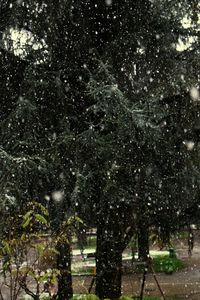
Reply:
x=184, y=284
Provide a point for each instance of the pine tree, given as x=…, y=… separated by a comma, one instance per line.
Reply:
x=101, y=100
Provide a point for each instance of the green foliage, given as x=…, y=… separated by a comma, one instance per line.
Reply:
x=144, y=298
x=45, y=296
x=67, y=228
x=85, y=297
x=37, y=215
x=166, y=264
x=99, y=111
x=27, y=253
x=124, y=297
x=23, y=249
x=91, y=242
x=27, y=297
x=147, y=298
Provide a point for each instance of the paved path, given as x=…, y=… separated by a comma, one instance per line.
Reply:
x=184, y=284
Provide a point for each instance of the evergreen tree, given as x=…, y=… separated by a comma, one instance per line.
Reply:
x=95, y=114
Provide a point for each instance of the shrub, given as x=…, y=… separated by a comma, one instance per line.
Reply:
x=144, y=298
x=85, y=297
x=167, y=264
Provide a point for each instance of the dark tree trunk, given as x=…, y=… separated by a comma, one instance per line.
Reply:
x=108, y=260
x=165, y=236
x=65, y=290
x=143, y=241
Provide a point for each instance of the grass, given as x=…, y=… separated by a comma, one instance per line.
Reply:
x=91, y=243
x=160, y=263
x=84, y=271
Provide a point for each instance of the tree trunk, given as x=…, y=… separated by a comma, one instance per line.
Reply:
x=108, y=260
x=65, y=290
x=143, y=241
x=165, y=236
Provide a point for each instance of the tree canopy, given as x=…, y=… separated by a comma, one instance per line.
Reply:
x=100, y=104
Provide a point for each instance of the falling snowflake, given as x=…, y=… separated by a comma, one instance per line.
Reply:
x=189, y=145
x=57, y=196
x=108, y=2
x=194, y=94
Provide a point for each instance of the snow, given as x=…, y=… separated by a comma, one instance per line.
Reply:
x=57, y=196
x=189, y=145
x=108, y=2
x=194, y=94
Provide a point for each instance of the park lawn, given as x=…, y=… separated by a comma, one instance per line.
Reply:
x=161, y=262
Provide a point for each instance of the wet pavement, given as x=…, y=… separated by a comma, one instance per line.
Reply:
x=184, y=284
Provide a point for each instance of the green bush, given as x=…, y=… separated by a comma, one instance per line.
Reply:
x=26, y=297
x=144, y=298
x=167, y=264
x=125, y=298
x=85, y=297
x=137, y=298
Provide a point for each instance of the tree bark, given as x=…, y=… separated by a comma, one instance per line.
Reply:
x=143, y=241
x=65, y=290
x=108, y=260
